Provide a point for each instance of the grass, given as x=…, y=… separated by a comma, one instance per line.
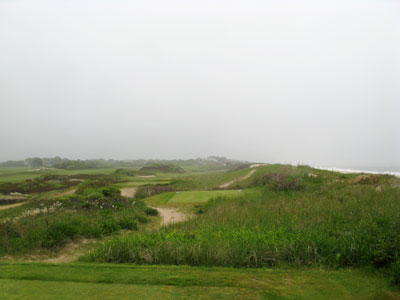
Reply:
x=335, y=225
x=206, y=181
x=94, y=281
x=48, y=225
x=200, y=196
x=192, y=197
x=288, y=232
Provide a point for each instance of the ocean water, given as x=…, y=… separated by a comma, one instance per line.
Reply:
x=373, y=170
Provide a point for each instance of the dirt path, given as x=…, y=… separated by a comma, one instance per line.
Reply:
x=70, y=192
x=128, y=192
x=257, y=165
x=3, y=207
x=170, y=215
x=229, y=183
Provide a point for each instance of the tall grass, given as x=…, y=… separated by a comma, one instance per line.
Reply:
x=335, y=225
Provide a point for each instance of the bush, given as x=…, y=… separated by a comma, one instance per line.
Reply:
x=395, y=271
x=109, y=226
x=126, y=223
x=59, y=233
x=147, y=191
x=151, y=211
x=110, y=191
x=280, y=181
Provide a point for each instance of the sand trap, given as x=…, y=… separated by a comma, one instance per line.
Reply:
x=147, y=176
x=170, y=215
x=128, y=192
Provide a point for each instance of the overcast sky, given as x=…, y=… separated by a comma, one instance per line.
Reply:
x=276, y=81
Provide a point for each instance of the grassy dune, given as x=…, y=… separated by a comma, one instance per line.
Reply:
x=294, y=219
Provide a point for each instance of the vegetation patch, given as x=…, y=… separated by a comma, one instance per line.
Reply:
x=159, y=167
x=91, y=213
x=326, y=222
x=148, y=191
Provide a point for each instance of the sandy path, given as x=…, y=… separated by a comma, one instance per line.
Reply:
x=70, y=192
x=229, y=183
x=3, y=207
x=257, y=165
x=170, y=215
x=128, y=192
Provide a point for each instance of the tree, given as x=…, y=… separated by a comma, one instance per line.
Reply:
x=37, y=162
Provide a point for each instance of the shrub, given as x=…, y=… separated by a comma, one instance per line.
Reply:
x=59, y=233
x=126, y=223
x=281, y=181
x=151, y=211
x=109, y=226
x=110, y=191
x=395, y=272
x=147, y=191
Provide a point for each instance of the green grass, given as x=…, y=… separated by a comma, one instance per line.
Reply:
x=207, y=181
x=21, y=174
x=200, y=196
x=324, y=223
x=190, y=197
x=88, y=281
x=325, y=236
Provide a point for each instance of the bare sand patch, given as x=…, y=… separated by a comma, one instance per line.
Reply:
x=170, y=215
x=128, y=192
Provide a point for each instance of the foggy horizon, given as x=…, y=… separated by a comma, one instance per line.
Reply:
x=313, y=82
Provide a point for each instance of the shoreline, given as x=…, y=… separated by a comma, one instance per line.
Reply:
x=346, y=171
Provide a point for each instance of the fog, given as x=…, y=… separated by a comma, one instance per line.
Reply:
x=314, y=82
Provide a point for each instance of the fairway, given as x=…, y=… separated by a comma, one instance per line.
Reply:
x=100, y=281
x=190, y=197
x=201, y=196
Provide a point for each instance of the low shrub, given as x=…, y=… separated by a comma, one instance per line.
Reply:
x=280, y=181
x=147, y=191
x=395, y=272
x=151, y=211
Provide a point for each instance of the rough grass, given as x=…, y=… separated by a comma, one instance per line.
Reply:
x=329, y=222
x=50, y=224
x=207, y=181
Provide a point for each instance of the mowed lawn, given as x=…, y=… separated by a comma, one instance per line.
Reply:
x=100, y=281
x=189, y=197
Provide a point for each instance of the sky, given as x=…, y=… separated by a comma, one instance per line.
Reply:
x=314, y=82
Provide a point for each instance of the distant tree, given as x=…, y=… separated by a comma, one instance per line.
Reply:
x=12, y=163
x=37, y=162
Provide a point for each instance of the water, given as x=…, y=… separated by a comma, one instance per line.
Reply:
x=373, y=170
